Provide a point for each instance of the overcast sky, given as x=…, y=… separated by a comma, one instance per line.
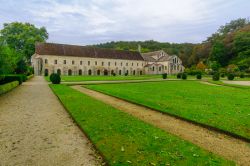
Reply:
x=95, y=21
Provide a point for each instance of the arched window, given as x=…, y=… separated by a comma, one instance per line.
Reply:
x=69, y=72
x=134, y=72
x=153, y=68
x=112, y=72
x=58, y=71
x=98, y=72
x=140, y=72
x=120, y=72
x=105, y=72
x=127, y=71
x=46, y=72
x=90, y=72
x=80, y=72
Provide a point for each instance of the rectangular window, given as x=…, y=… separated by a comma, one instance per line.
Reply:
x=73, y=62
x=132, y=64
x=55, y=62
x=88, y=62
x=96, y=63
x=115, y=63
x=64, y=62
x=137, y=64
x=126, y=64
x=109, y=63
x=121, y=63
x=80, y=62
x=102, y=63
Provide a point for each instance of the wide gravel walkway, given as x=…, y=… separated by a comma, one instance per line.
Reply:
x=36, y=130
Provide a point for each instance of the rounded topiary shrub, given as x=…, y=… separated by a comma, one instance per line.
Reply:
x=198, y=76
x=164, y=75
x=230, y=76
x=179, y=75
x=55, y=78
x=184, y=76
x=216, y=76
x=222, y=75
x=242, y=75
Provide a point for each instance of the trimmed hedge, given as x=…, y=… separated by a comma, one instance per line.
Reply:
x=30, y=76
x=10, y=78
x=164, y=75
x=55, y=78
x=230, y=76
x=8, y=86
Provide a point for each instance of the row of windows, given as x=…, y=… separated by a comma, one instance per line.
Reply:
x=105, y=72
x=159, y=68
x=96, y=63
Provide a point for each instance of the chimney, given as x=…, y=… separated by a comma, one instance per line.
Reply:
x=139, y=48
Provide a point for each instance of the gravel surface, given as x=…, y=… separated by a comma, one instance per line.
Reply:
x=220, y=144
x=244, y=83
x=36, y=130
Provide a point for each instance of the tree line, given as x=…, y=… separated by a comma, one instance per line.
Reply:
x=228, y=46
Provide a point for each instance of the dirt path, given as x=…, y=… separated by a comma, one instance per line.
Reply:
x=36, y=130
x=220, y=144
x=244, y=83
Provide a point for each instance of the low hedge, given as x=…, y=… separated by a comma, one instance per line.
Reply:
x=30, y=76
x=10, y=78
x=8, y=86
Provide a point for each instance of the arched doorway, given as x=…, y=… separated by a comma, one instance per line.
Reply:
x=58, y=71
x=98, y=72
x=80, y=72
x=112, y=72
x=134, y=72
x=140, y=72
x=70, y=72
x=90, y=72
x=46, y=72
x=105, y=72
x=120, y=72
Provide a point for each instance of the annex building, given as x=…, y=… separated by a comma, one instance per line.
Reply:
x=84, y=60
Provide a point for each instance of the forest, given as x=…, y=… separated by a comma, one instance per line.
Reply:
x=228, y=47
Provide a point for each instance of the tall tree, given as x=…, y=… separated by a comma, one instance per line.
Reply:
x=218, y=53
x=22, y=37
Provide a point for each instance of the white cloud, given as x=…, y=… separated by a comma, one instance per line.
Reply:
x=95, y=21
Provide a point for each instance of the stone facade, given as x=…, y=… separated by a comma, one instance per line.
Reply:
x=80, y=60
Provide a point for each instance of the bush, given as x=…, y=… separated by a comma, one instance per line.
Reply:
x=216, y=76
x=230, y=76
x=179, y=75
x=198, y=76
x=30, y=76
x=222, y=75
x=184, y=76
x=8, y=86
x=126, y=74
x=11, y=78
x=113, y=74
x=242, y=75
x=164, y=75
x=55, y=78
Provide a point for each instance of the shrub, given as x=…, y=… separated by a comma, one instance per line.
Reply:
x=230, y=76
x=164, y=75
x=113, y=74
x=55, y=78
x=179, y=75
x=242, y=75
x=184, y=76
x=126, y=74
x=216, y=76
x=8, y=86
x=222, y=75
x=46, y=74
x=198, y=76
x=11, y=78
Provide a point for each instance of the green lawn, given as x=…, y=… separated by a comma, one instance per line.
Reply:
x=105, y=78
x=223, y=107
x=125, y=140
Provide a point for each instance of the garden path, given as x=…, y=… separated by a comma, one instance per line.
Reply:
x=35, y=129
x=218, y=143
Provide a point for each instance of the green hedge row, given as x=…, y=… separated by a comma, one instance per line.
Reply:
x=8, y=86
x=30, y=76
x=10, y=78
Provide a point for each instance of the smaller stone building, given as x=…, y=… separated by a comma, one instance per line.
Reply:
x=82, y=60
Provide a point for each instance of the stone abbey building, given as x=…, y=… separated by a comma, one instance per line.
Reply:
x=84, y=60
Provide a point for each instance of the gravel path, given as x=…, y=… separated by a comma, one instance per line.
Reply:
x=36, y=130
x=244, y=83
x=223, y=145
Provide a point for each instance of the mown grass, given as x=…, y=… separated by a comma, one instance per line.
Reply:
x=223, y=107
x=105, y=78
x=125, y=140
